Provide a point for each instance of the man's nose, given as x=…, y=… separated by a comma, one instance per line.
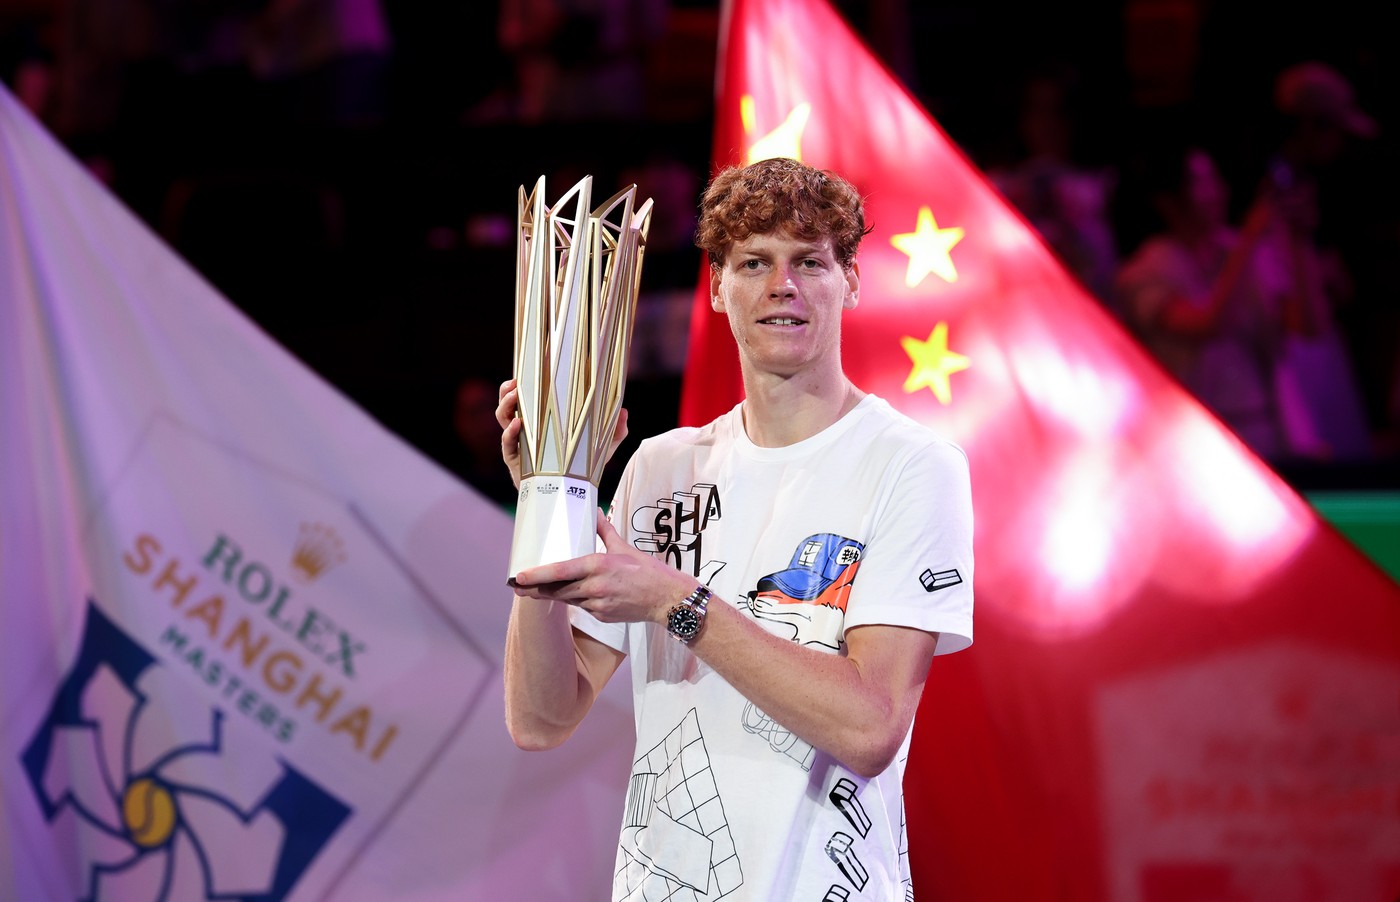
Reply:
x=780, y=283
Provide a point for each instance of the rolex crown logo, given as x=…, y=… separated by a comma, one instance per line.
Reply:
x=318, y=549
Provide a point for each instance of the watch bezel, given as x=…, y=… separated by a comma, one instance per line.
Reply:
x=687, y=617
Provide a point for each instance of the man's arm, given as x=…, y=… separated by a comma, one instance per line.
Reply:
x=552, y=672
x=856, y=707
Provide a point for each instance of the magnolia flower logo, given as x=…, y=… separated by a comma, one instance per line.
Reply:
x=155, y=798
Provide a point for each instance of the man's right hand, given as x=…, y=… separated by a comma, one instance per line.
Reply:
x=507, y=405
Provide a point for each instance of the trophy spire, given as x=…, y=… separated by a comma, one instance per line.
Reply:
x=578, y=274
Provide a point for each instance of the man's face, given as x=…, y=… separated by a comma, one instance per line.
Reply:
x=784, y=297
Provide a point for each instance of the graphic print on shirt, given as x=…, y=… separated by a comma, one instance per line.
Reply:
x=843, y=848
x=780, y=739
x=810, y=596
x=674, y=529
x=905, y=875
x=675, y=836
x=840, y=848
x=675, y=840
x=809, y=600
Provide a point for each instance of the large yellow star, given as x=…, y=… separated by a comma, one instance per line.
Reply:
x=783, y=141
x=933, y=363
x=929, y=249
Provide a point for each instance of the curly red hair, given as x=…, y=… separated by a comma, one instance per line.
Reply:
x=780, y=194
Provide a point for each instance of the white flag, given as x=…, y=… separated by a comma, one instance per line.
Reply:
x=251, y=639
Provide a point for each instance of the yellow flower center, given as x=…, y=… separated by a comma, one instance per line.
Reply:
x=149, y=812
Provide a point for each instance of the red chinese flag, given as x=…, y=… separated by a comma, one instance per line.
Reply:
x=1185, y=684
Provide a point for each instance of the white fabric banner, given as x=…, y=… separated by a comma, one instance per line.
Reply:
x=251, y=639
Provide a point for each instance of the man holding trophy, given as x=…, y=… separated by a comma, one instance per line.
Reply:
x=781, y=579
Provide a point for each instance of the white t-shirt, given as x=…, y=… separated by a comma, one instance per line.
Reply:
x=868, y=522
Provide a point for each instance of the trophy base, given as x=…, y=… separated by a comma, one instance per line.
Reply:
x=555, y=520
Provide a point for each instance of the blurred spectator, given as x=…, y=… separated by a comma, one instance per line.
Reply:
x=674, y=187
x=1209, y=302
x=218, y=68
x=27, y=67
x=474, y=421
x=573, y=59
x=670, y=267
x=1066, y=202
x=1320, y=391
x=325, y=62
x=96, y=45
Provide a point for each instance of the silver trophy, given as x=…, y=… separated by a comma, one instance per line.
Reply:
x=577, y=277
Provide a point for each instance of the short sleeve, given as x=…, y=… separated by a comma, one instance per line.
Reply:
x=919, y=567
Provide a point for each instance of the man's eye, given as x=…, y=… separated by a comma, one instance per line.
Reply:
x=750, y=264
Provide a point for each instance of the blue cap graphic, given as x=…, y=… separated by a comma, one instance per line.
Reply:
x=816, y=564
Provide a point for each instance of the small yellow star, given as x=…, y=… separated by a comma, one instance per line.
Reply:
x=783, y=141
x=929, y=249
x=933, y=363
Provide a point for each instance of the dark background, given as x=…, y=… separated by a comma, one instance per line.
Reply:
x=364, y=215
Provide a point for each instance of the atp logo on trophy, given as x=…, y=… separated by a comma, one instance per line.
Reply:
x=578, y=272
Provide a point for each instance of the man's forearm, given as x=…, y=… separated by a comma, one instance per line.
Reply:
x=856, y=707
x=546, y=696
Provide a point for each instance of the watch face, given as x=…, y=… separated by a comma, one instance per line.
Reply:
x=683, y=621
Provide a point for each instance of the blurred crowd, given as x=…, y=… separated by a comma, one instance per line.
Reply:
x=346, y=171
x=1253, y=279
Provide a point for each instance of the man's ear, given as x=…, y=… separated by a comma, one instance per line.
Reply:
x=852, y=287
x=716, y=298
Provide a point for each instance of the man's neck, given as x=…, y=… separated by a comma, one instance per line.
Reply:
x=785, y=411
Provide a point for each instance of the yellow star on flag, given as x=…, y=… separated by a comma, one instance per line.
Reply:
x=933, y=363
x=783, y=141
x=929, y=249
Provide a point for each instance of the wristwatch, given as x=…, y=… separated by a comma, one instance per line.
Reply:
x=686, y=618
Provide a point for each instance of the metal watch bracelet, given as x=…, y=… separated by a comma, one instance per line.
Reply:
x=688, y=616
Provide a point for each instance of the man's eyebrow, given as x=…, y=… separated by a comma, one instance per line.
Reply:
x=799, y=248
